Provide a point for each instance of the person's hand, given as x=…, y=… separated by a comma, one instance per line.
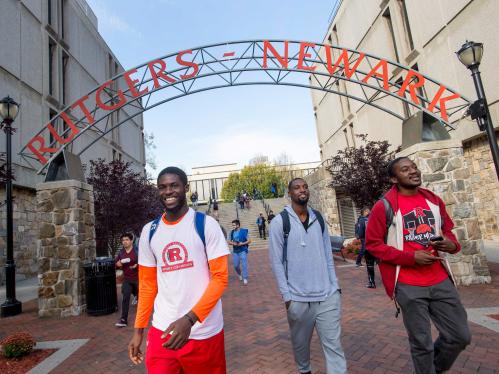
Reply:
x=444, y=245
x=424, y=258
x=287, y=303
x=179, y=332
x=134, y=351
x=119, y=264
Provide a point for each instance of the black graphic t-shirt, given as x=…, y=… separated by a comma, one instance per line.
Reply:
x=419, y=228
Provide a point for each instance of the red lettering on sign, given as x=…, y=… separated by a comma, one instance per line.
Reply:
x=80, y=103
x=38, y=152
x=132, y=82
x=155, y=75
x=71, y=125
x=383, y=75
x=442, y=100
x=282, y=60
x=101, y=104
x=303, y=56
x=191, y=64
x=346, y=64
x=412, y=85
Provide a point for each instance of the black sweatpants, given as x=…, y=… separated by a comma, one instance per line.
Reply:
x=128, y=288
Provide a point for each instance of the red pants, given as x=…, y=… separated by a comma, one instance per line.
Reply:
x=195, y=357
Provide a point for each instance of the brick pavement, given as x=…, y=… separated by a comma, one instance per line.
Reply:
x=257, y=335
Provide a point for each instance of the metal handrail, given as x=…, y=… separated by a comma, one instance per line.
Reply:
x=237, y=209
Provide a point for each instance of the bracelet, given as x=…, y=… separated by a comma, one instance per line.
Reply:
x=190, y=319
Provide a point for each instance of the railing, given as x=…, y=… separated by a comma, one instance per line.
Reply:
x=237, y=209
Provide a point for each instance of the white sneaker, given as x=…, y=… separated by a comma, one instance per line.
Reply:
x=245, y=282
x=240, y=277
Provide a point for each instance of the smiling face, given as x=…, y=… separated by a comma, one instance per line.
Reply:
x=407, y=174
x=298, y=192
x=172, y=192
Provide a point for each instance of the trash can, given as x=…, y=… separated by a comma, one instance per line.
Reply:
x=100, y=284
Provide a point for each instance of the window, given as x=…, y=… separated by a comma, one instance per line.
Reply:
x=52, y=50
x=64, y=76
x=405, y=20
x=50, y=15
x=388, y=18
x=52, y=114
x=62, y=6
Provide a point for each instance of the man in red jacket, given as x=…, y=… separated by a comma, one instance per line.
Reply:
x=413, y=269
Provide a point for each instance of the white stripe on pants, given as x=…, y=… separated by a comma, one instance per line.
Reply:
x=325, y=317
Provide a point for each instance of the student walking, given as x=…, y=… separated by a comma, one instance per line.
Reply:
x=183, y=273
x=239, y=239
x=260, y=222
x=302, y=262
x=127, y=260
x=410, y=231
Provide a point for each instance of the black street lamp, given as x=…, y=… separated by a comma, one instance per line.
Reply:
x=8, y=113
x=470, y=55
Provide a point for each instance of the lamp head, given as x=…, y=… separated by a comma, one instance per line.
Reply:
x=8, y=109
x=470, y=54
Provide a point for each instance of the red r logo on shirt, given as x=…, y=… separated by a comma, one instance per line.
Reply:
x=175, y=257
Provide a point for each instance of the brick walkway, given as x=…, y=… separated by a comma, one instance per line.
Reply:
x=257, y=337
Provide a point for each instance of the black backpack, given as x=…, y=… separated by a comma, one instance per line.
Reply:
x=286, y=228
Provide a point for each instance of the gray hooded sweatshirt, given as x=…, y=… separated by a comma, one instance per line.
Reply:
x=311, y=275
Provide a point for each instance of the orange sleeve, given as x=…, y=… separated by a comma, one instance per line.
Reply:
x=148, y=288
x=219, y=274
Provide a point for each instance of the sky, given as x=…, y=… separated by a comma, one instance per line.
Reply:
x=224, y=125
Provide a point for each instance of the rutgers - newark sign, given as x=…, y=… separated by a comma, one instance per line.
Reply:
x=361, y=76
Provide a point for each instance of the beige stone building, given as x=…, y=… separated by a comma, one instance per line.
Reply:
x=52, y=54
x=422, y=35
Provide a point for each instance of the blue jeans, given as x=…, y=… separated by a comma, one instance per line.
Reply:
x=240, y=261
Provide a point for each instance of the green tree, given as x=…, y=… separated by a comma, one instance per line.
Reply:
x=258, y=176
x=361, y=172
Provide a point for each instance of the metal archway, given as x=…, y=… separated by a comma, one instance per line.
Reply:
x=371, y=79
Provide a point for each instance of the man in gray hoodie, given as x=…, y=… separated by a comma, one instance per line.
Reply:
x=306, y=279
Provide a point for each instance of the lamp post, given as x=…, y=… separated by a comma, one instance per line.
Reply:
x=470, y=54
x=8, y=112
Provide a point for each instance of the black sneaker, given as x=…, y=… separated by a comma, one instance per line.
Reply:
x=121, y=323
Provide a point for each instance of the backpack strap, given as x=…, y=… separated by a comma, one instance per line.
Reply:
x=320, y=219
x=388, y=215
x=199, y=222
x=154, y=227
x=286, y=227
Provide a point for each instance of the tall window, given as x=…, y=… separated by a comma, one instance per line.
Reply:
x=407, y=26
x=388, y=19
x=52, y=114
x=50, y=15
x=52, y=49
x=64, y=76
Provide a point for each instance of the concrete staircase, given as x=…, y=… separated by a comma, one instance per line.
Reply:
x=227, y=213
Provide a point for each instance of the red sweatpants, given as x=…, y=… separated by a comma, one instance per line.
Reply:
x=195, y=357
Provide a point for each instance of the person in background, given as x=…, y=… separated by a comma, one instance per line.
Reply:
x=239, y=239
x=127, y=261
x=260, y=222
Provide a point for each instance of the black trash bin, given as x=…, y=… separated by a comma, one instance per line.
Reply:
x=100, y=284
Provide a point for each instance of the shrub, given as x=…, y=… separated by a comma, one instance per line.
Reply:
x=353, y=246
x=17, y=344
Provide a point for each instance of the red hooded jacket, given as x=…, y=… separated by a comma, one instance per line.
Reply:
x=391, y=256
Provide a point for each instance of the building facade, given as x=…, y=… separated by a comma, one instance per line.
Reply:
x=53, y=55
x=209, y=180
x=422, y=35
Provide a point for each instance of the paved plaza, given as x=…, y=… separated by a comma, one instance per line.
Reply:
x=257, y=336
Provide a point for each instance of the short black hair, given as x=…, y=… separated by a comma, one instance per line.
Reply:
x=174, y=170
x=128, y=235
x=293, y=180
x=391, y=165
x=237, y=222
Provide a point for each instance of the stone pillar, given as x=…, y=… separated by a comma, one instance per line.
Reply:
x=323, y=198
x=446, y=172
x=66, y=240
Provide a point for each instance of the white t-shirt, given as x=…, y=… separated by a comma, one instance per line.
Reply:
x=182, y=270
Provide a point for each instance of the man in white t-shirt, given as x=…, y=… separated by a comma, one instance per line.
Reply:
x=183, y=280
